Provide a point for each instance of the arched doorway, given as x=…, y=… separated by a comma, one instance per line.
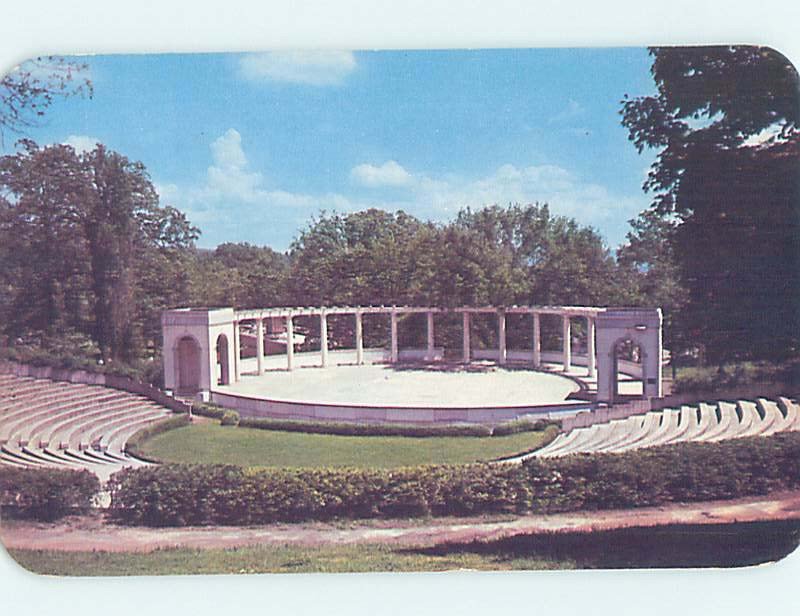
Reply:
x=628, y=370
x=187, y=362
x=222, y=372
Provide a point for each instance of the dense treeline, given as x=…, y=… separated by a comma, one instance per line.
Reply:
x=90, y=258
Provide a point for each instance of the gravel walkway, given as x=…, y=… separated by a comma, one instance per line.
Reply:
x=92, y=533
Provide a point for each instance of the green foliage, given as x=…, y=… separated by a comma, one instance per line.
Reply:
x=229, y=418
x=524, y=424
x=206, y=409
x=708, y=378
x=83, y=235
x=177, y=495
x=46, y=494
x=75, y=351
x=731, y=203
x=365, y=429
x=134, y=443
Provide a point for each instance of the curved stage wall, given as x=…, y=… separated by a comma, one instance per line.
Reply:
x=281, y=409
x=309, y=410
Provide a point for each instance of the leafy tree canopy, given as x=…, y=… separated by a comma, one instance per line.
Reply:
x=726, y=186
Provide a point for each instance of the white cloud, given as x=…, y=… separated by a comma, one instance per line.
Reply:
x=389, y=173
x=572, y=110
x=316, y=68
x=230, y=177
x=226, y=150
x=232, y=200
x=82, y=143
x=439, y=198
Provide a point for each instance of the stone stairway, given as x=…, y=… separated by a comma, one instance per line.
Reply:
x=703, y=422
x=55, y=424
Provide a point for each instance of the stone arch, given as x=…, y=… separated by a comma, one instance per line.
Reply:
x=222, y=364
x=642, y=327
x=188, y=355
x=636, y=370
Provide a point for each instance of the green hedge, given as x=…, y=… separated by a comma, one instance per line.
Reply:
x=205, y=409
x=364, y=429
x=177, y=495
x=524, y=424
x=396, y=429
x=134, y=443
x=46, y=494
x=229, y=418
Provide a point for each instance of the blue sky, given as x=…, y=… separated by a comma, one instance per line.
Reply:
x=252, y=146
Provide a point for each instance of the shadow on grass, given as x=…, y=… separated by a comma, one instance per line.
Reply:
x=674, y=545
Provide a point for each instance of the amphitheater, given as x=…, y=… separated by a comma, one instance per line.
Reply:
x=74, y=419
x=46, y=423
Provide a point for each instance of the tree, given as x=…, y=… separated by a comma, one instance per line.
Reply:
x=553, y=259
x=27, y=91
x=725, y=122
x=649, y=262
x=41, y=239
x=121, y=221
x=360, y=258
x=89, y=232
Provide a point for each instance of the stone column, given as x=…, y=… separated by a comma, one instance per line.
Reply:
x=537, y=341
x=289, y=342
x=567, y=341
x=323, y=338
x=466, y=343
x=395, y=352
x=429, y=354
x=591, y=371
x=359, y=340
x=237, y=352
x=501, y=336
x=259, y=346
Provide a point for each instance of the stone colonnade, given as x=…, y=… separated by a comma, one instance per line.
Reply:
x=566, y=313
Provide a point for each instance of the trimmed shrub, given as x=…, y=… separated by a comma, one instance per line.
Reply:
x=134, y=443
x=205, y=409
x=46, y=494
x=365, y=429
x=229, y=418
x=523, y=424
x=175, y=495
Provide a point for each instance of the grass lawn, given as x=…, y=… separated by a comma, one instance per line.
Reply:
x=674, y=545
x=269, y=559
x=214, y=444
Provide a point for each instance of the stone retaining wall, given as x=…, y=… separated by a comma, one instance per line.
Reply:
x=255, y=407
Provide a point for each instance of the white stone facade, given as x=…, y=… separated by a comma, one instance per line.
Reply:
x=202, y=347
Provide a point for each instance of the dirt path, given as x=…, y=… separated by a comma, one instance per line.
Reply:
x=92, y=533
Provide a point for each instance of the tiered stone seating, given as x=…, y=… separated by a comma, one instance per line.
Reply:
x=55, y=424
x=705, y=422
